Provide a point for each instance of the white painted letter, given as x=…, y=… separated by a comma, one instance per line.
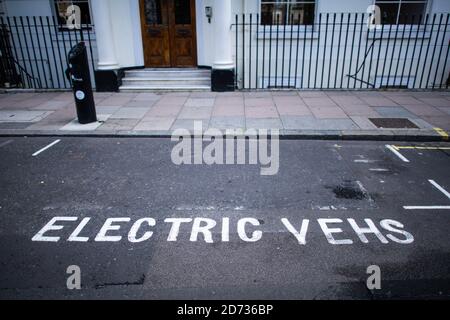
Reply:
x=175, y=229
x=371, y=229
x=108, y=226
x=329, y=231
x=49, y=226
x=197, y=228
x=225, y=229
x=74, y=237
x=134, y=229
x=387, y=225
x=256, y=235
x=300, y=236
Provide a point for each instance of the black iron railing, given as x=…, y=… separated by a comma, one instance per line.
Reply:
x=342, y=51
x=34, y=51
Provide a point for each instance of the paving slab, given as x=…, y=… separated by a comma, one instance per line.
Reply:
x=164, y=111
x=141, y=103
x=189, y=124
x=311, y=123
x=261, y=112
x=293, y=110
x=74, y=125
x=195, y=113
x=199, y=102
x=129, y=113
x=308, y=113
x=227, y=122
x=22, y=115
x=394, y=112
x=329, y=113
x=118, y=124
x=155, y=124
x=228, y=111
x=274, y=123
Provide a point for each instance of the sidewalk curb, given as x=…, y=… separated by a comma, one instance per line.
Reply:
x=361, y=135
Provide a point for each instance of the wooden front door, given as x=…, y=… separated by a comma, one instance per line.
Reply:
x=168, y=31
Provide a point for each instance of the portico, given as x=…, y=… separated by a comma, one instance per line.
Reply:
x=173, y=34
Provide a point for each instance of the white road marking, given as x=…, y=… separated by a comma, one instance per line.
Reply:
x=45, y=148
x=378, y=169
x=398, y=154
x=364, y=161
x=440, y=188
x=5, y=143
x=426, y=207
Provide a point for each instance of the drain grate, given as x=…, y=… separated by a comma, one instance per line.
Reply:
x=393, y=123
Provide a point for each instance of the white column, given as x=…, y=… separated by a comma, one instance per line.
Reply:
x=103, y=30
x=222, y=35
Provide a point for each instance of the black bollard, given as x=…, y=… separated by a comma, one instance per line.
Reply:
x=80, y=78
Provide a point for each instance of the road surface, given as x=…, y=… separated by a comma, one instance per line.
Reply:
x=139, y=226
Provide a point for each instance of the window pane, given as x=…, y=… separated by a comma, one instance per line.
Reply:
x=407, y=10
x=389, y=12
x=301, y=14
x=273, y=14
x=61, y=11
x=153, y=12
x=182, y=12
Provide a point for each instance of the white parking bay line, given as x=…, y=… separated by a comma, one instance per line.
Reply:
x=426, y=207
x=45, y=148
x=398, y=154
x=440, y=188
x=5, y=143
x=437, y=186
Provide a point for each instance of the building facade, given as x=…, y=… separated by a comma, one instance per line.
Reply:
x=249, y=44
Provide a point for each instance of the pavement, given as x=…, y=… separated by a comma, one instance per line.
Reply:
x=307, y=114
x=309, y=232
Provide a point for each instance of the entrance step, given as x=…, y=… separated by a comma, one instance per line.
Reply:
x=173, y=79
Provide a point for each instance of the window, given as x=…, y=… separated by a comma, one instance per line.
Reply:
x=401, y=11
x=2, y=8
x=61, y=10
x=287, y=12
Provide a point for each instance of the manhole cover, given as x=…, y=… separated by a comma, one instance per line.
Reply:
x=393, y=123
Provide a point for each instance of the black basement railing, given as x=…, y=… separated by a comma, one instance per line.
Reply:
x=34, y=51
x=341, y=51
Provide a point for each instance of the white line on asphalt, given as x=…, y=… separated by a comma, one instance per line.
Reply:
x=440, y=188
x=45, y=148
x=378, y=169
x=426, y=207
x=364, y=161
x=5, y=143
x=398, y=154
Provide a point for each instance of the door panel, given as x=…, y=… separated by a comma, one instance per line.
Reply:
x=182, y=33
x=155, y=32
x=168, y=30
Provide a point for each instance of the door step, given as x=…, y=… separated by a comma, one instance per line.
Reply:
x=173, y=79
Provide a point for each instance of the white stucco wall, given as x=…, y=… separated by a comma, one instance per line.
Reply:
x=127, y=26
x=127, y=32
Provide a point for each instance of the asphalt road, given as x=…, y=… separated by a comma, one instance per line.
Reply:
x=331, y=184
